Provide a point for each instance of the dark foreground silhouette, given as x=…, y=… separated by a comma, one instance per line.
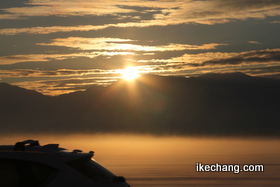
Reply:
x=28, y=164
x=213, y=104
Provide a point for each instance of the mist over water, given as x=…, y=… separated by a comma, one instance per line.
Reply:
x=146, y=160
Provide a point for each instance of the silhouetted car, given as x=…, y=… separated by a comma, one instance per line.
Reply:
x=27, y=164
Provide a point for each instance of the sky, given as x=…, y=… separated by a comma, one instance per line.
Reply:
x=62, y=46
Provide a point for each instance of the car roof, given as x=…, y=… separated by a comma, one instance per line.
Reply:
x=33, y=146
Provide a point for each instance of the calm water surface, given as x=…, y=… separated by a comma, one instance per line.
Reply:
x=171, y=161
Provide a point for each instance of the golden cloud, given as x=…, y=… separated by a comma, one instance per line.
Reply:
x=171, y=12
x=16, y=73
x=209, y=59
x=12, y=59
x=117, y=44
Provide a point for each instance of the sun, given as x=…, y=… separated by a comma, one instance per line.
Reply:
x=130, y=73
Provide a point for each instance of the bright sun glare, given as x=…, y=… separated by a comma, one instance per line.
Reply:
x=130, y=73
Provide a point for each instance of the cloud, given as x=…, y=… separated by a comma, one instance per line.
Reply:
x=254, y=42
x=49, y=73
x=219, y=11
x=106, y=47
x=65, y=8
x=65, y=85
x=161, y=13
x=55, y=29
x=193, y=62
x=251, y=57
x=268, y=71
x=12, y=59
x=52, y=29
x=62, y=9
x=249, y=62
x=112, y=44
x=226, y=59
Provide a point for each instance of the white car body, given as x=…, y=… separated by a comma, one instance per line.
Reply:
x=27, y=164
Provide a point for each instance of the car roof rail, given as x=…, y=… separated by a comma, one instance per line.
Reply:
x=77, y=151
x=33, y=145
x=20, y=146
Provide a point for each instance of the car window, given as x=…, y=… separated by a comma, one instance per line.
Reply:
x=40, y=172
x=20, y=173
x=92, y=169
x=9, y=176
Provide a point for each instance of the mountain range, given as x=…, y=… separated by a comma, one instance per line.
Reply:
x=232, y=104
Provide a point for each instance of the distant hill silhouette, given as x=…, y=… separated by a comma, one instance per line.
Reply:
x=212, y=104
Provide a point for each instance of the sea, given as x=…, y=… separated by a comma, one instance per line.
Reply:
x=177, y=161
